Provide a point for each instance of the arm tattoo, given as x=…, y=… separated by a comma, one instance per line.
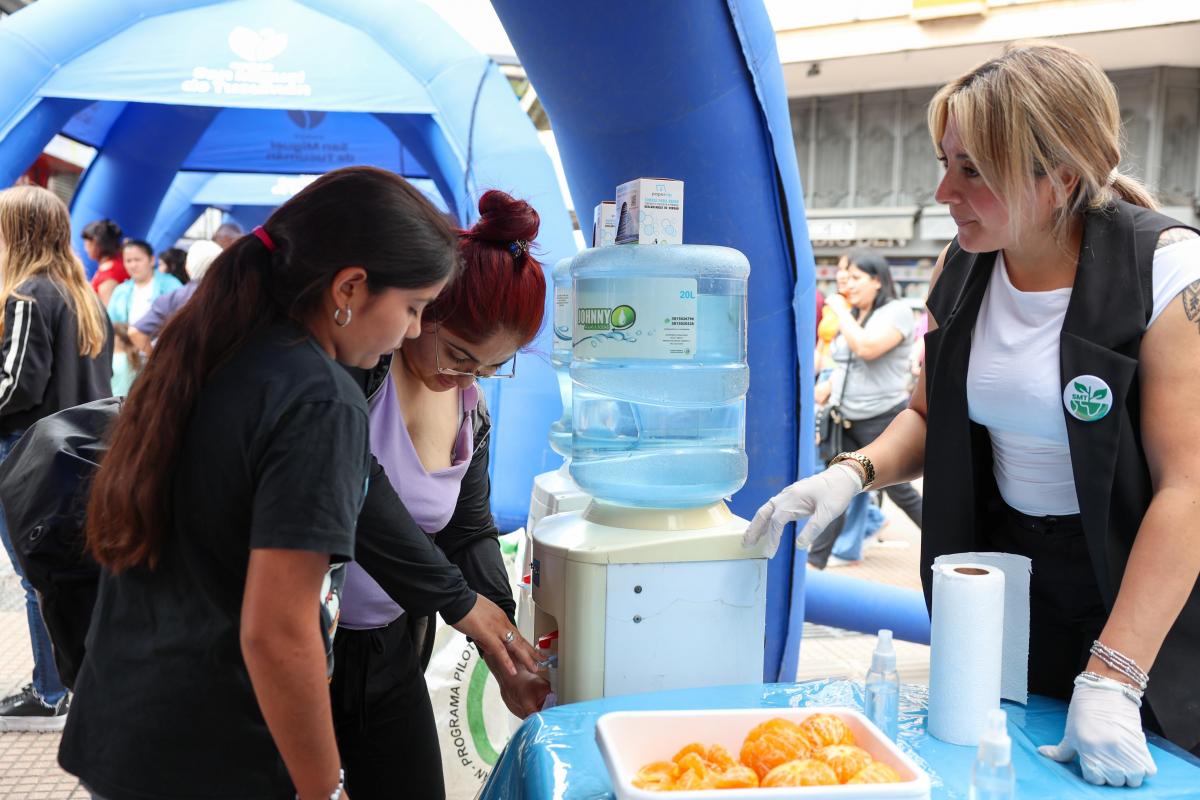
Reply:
x=1172, y=235
x=1191, y=301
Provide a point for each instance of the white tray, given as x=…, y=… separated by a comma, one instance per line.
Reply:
x=629, y=740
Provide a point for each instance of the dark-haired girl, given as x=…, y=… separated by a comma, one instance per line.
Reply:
x=102, y=241
x=869, y=384
x=133, y=298
x=234, y=479
x=429, y=429
x=173, y=261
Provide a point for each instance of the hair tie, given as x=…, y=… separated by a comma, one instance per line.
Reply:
x=265, y=238
x=1112, y=177
x=518, y=248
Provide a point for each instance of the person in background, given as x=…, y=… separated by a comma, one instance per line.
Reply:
x=1055, y=415
x=870, y=381
x=226, y=234
x=102, y=241
x=144, y=329
x=430, y=431
x=55, y=352
x=863, y=518
x=127, y=360
x=172, y=261
x=133, y=298
x=247, y=443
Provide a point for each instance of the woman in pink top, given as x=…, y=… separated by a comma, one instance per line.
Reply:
x=429, y=431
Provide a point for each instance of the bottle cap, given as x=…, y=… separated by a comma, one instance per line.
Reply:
x=995, y=747
x=884, y=657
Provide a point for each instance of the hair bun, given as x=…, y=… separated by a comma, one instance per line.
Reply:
x=503, y=219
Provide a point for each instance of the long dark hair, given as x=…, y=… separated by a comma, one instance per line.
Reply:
x=358, y=216
x=174, y=260
x=875, y=265
x=106, y=235
x=502, y=286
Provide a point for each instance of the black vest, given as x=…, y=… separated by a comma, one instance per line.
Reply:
x=1101, y=335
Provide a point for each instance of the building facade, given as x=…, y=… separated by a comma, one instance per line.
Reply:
x=860, y=78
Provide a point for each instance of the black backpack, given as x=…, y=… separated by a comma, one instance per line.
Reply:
x=43, y=489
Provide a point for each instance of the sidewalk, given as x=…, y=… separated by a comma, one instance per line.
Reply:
x=28, y=761
x=832, y=652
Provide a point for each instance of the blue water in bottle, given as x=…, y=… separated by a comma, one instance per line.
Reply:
x=659, y=374
x=560, y=356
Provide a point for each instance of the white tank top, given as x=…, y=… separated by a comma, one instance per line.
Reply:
x=1013, y=381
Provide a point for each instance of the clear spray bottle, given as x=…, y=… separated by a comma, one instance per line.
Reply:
x=883, y=687
x=992, y=776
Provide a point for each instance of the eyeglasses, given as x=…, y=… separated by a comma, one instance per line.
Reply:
x=506, y=370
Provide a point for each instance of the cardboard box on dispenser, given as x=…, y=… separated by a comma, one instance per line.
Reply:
x=650, y=211
x=604, y=224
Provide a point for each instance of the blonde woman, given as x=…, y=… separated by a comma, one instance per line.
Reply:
x=1055, y=416
x=55, y=352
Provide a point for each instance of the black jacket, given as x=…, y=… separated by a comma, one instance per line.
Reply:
x=41, y=370
x=1101, y=335
x=441, y=573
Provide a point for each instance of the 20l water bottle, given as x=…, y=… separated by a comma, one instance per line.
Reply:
x=659, y=374
x=560, y=356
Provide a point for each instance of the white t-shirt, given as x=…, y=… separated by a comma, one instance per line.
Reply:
x=1013, y=382
x=140, y=301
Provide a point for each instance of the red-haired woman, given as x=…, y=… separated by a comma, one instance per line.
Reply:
x=429, y=429
x=235, y=476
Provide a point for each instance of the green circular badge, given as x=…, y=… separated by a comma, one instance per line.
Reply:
x=1087, y=398
x=623, y=317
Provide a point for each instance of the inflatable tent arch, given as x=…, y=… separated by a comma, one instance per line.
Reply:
x=695, y=91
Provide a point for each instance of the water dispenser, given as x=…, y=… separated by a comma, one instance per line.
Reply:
x=649, y=587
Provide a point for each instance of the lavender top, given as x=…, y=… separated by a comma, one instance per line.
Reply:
x=429, y=496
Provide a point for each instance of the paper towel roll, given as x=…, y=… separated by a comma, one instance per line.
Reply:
x=1014, y=664
x=966, y=642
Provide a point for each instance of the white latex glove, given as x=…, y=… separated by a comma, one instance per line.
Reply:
x=1104, y=729
x=821, y=498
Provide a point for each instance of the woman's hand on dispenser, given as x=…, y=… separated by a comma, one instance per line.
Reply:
x=496, y=637
x=821, y=498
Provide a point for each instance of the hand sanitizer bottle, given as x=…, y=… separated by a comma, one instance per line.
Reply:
x=883, y=687
x=992, y=775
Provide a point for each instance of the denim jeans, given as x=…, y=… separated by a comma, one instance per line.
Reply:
x=46, y=683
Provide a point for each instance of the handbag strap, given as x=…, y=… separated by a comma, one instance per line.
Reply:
x=849, y=360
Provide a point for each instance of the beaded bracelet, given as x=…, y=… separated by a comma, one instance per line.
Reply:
x=1121, y=663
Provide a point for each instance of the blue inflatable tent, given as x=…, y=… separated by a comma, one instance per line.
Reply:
x=162, y=87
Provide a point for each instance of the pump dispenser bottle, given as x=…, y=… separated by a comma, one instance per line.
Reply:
x=992, y=776
x=883, y=687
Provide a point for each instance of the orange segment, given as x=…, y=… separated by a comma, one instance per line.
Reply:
x=718, y=758
x=693, y=747
x=826, y=729
x=846, y=760
x=736, y=777
x=657, y=776
x=803, y=772
x=876, y=772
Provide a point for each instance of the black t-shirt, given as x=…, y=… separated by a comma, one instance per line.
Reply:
x=275, y=455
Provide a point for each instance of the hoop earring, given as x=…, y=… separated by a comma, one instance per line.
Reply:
x=337, y=317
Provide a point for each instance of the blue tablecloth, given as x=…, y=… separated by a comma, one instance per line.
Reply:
x=554, y=754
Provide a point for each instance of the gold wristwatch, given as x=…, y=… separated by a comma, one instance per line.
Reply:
x=863, y=461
